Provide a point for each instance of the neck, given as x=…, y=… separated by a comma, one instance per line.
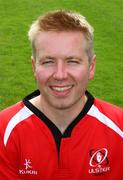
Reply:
x=60, y=117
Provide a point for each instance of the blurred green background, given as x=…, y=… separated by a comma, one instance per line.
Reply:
x=16, y=77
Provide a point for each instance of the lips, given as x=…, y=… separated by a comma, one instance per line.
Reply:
x=61, y=88
x=61, y=91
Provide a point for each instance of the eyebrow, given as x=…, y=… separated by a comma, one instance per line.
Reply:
x=45, y=57
x=49, y=57
x=74, y=57
x=54, y=58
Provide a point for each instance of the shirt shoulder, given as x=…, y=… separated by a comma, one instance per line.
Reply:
x=108, y=114
x=110, y=110
x=9, y=112
x=12, y=116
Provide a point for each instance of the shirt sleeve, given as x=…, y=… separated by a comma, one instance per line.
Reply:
x=8, y=169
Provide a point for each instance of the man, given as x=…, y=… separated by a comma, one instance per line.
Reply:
x=61, y=131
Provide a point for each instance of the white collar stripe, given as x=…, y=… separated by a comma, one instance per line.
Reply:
x=17, y=118
x=94, y=111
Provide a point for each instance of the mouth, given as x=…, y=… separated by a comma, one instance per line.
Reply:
x=61, y=88
x=61, y=91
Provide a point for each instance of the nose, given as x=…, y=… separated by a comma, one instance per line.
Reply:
x=60, y=71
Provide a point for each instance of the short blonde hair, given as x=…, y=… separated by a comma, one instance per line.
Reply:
x=62, y=20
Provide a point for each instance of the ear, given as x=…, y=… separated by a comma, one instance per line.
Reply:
x=92, y=68
x=33, y=64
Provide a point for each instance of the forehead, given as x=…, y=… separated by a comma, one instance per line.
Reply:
x=60, y=42
x=62, y=37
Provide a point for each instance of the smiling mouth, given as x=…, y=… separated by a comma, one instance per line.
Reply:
x=61, y=88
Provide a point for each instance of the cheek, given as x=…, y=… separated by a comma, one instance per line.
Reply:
x=81, y=75
x=42, y=75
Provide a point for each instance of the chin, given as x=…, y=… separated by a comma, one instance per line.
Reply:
x=62, y=105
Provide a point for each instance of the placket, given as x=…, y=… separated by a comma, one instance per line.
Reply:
x=64, y=171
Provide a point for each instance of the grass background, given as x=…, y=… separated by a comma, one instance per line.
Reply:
x=16, y=78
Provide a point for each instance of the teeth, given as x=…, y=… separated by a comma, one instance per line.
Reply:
x=61, y=89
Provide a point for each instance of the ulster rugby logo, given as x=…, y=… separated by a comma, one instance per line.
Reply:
x=98, y=157
x=99, y=162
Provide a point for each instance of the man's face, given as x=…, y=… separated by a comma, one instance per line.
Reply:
x=62, y=69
